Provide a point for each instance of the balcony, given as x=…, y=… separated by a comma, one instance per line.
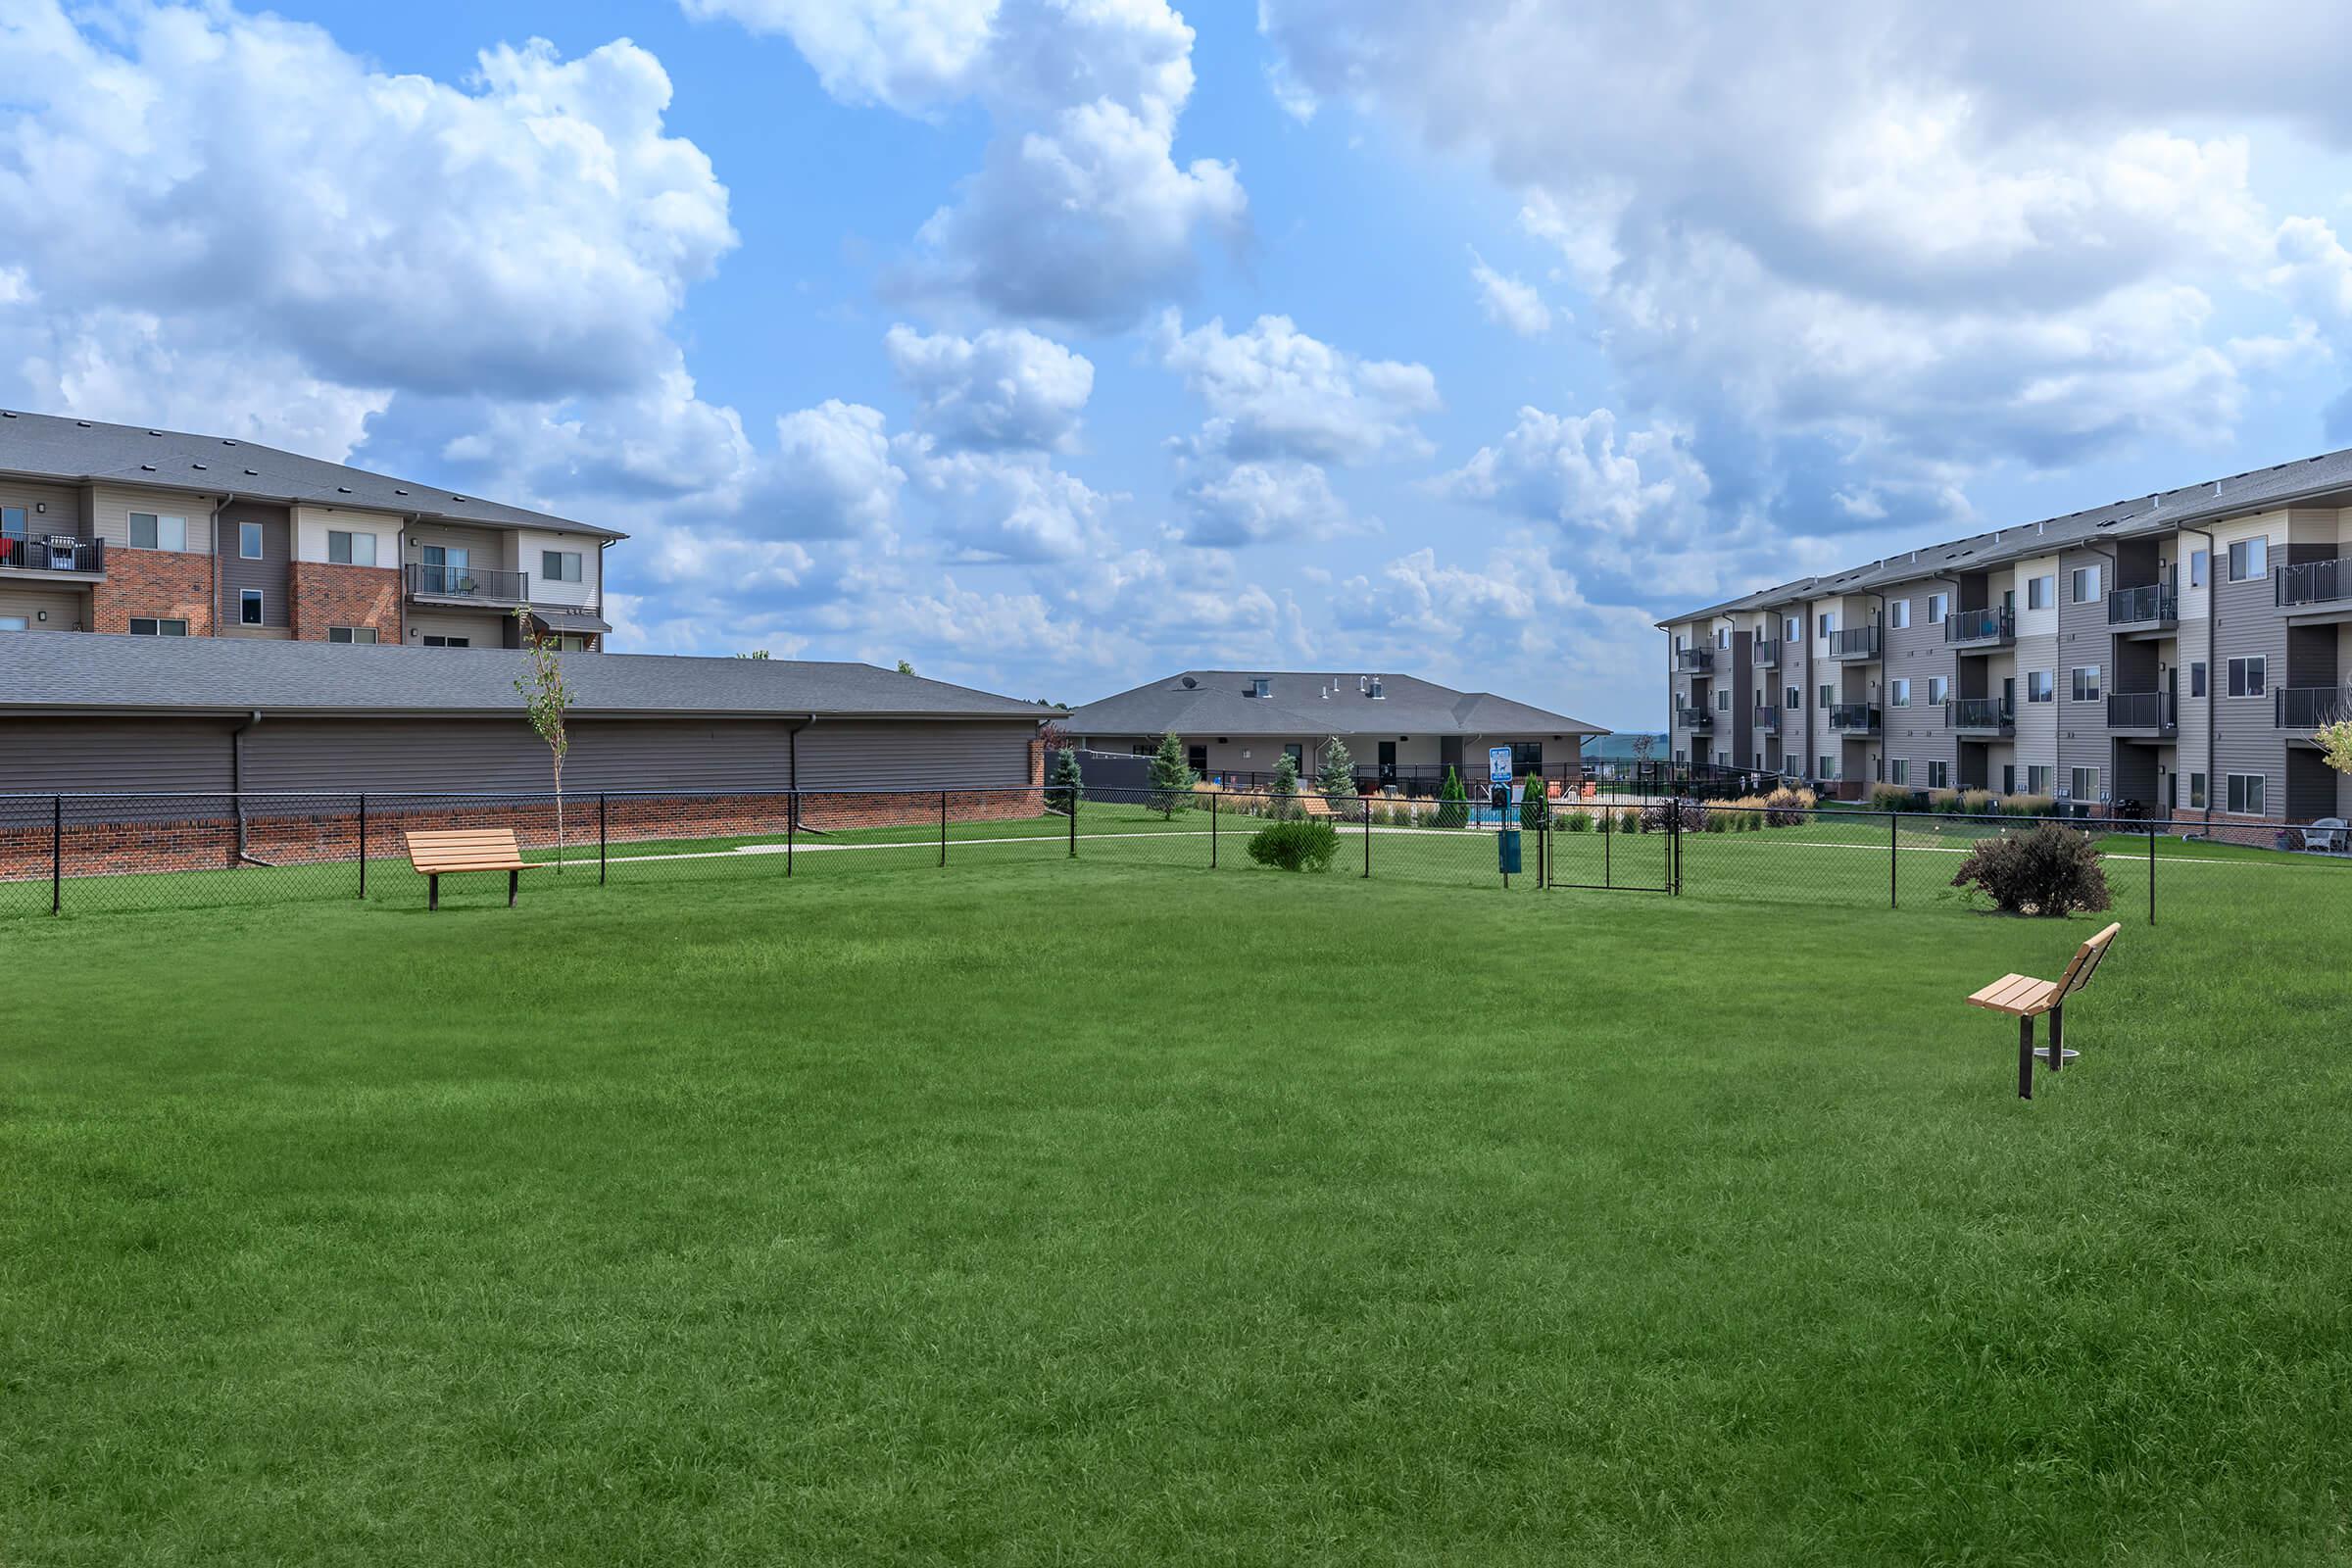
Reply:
x=1855, y=718
x=1694, y=719
x=2153, y=608
x=1767, y=718
x=470, y=585
x=1767, y=653
x=1861, y=643
x=1979, y=716
x=2143, y=714
x=1694, y=660
x=2312, y=582
x=2307, y=707
x=1979, y=631
x=54, y=552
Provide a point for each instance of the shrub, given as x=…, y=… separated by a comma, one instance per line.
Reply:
x=1532, y=805
x=1069, y=781
x=1976, y=802
x=1296, y=845
x=1337, y=781
x=2048, y=871
x=1892, y=798
x=1693, y=815
x=1576, y=821
x=1453, y=802
x=1283, y=793
x=1628, y=821
x=1172, y=777
x=1788, y=808
x=2030, y=805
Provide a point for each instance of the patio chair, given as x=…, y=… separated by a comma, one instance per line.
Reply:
x=2325, y=836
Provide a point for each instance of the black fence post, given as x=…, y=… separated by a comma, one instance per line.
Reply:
x=362, y=846
x=57, y=852
x=792, y=822
x=1213, y=830
x=1072, y=803
x=1364, y=804
x=943, y=828
x=1893, y=856
x=1674, y=842
x=1608, y=831
x=601, y=839
x=2151, y=872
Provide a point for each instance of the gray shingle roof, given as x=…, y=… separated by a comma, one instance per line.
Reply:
x=2207, y=502
x=1217, y=702
x=75, y=451
x=88, y=671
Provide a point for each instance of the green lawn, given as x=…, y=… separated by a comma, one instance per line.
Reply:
x=1121, y=1214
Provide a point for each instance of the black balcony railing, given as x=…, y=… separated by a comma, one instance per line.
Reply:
x=2151, y=606
x=58, y=553
x=2313, y=582
x=2310, y=707
x=488, y=584
x=1860, y=643
x=2142, y=711
x=1694, y=719
x=1979, y=713
x=1695, y=658
x=1767, y=718
x=1857, y=719
x=1979, y=628
x=1767, y=653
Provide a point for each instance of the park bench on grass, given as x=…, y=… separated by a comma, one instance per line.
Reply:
x=433, y=851
x=1314, y=806
x=2027, y=998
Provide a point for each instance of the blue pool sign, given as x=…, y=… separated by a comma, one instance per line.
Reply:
x=1498, y=763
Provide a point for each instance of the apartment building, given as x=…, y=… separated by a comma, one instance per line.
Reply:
x=2175, y=650
x=157, y=533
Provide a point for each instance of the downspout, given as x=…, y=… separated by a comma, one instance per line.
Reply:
x=214, y=561
x=236, y=780
x=2213, y=631
x=792, y=758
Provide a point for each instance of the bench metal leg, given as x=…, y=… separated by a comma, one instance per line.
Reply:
x=2057, y=1033
x=512, y=879
x=2025, y=1059
x=432, y=890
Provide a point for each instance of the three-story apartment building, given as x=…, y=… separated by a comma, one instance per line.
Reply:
x=118, y=528
x=2175, y=650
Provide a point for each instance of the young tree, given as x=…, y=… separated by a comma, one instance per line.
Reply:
x=1453, y=802
x=904, y=668
x=1531, y=803
x=545, y=701
x=1070, y=784
x=1336, y=783
x=1285, y=788
x=1172, y=777
x=2335, y=739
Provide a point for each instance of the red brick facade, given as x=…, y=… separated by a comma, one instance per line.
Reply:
x=167, y=584
x=326, y=595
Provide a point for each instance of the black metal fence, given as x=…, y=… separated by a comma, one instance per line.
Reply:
x=88, y=854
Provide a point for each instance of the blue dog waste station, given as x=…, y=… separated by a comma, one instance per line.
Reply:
x=1505, y=792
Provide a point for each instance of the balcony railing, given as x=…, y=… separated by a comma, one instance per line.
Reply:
x=1981, y=628
x=2151, y=606
x=1855, y=718
x=1767, y=653
x=1694, y=719
x=486, y=584
x=1860, y=643
x=1767, y=718
x=1983, y=714
x=58, y=553
x=2152, y=712
x=1694, y=660
x=2309, y=707
x=2313, y=582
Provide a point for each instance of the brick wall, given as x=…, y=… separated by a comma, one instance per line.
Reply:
x=328, y=595
x=169, y=584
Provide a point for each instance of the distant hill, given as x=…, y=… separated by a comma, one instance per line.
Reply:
x=1620, y=748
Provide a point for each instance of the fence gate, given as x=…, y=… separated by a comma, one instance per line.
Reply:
x=1612, y=856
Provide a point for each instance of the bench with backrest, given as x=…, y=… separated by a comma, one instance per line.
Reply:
x=2027, y=998
x=436, y=851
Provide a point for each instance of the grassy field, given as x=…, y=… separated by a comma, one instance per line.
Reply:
x=1122, y=1214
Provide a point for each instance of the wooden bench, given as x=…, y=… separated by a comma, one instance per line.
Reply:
x=1314, y=804
x=436, y=851
x=2027, y=998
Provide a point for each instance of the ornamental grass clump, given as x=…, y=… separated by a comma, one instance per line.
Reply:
x=2050, y=870
x=1296, y=844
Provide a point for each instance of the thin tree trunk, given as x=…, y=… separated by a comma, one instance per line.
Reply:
x=558, y=817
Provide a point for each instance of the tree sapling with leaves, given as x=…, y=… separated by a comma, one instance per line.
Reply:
x=545, y=701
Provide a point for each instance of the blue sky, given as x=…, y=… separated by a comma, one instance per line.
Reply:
x=1056, y=344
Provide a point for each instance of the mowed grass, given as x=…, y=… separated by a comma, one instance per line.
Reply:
x=1057, y=1213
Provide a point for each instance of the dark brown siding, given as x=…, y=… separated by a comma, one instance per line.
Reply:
x=119, y=754
x=272, y=574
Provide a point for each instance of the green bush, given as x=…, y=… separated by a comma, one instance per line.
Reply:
x=2029, y=805
x=1577, y=822
x=1787, y=809
x=1453, y=802
x=1532, y=805
x=2048, y=871
x=1892, y=798
x=1296, y=845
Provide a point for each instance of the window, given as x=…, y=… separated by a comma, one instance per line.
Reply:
x=2084, y=783
x=2249, y=794
x=2086, y=585
x=2086, y=683
x=249, y=607
x=1723, y=702
x=1898, y=695
x=447, y=642
x=2246, y=677
x=349, y=548
x=352, y=634
x=1261, y=687
x=2040, y=592
x=12, y=522
x=2197, y=562
x=153, y=531
x=1723, y=634
x=2249, y=558
x=1939, y=775
x=1828, y=768
x=2196, y=679
x=1938, y=688
x=1899, y=614
x=249, y=542
x=1527, y=756
x=1796, y=699
x=1829, y=624
x=2037, y=686
x=564, y=566
x=151, y=626
x=1792, y=628
x=2008, y=778
x=1828, y=696
x=15, y=624
x=579, y=645
x=2196, y=791
x=1938, y=606
x=2037, y=778
x=1898, y=770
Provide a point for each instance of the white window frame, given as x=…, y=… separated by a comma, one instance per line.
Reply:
x=1940, y=689
x=2249, y=794
x=260, y=601
x=1898, y=614
x=2047, y=689
x=2196, y=791
x=1792, y=628
x=2041, y=593
x=1939, y=774
x=1828, y=623
x=359, y=636
x=1829, y=768
x=2083, y=584
x=1939, y=607
x=2074, y=783
x=2199, y=562
x=1723, y=701
x=2037, y=778
x=1829, y=697
x=2080, y=690
x=261, y=545
x=571, y=562
x=2249, y=677
x=157, y=623
x=441, y=640
x=351, y=538
x=2249, y=562
x=161, y=526
x=1898, y=695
